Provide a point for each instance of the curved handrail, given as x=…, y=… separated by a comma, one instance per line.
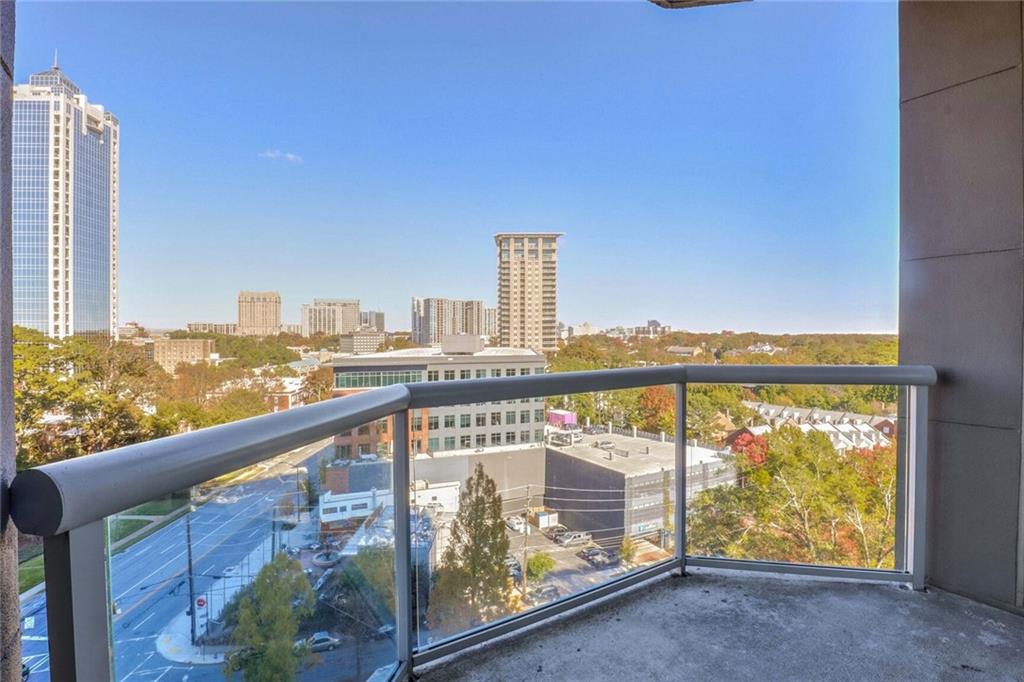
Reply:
x=58, y=497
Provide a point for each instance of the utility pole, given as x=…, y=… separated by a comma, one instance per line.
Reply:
x=526, y=534
x=191, y=574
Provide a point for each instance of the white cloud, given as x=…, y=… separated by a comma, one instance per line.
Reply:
x=278, y=155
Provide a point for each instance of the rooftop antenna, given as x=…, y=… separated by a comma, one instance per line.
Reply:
x=56, y=63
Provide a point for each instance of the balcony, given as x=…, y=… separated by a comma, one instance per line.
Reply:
x=117, y=605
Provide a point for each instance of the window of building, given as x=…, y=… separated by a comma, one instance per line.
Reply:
x=481, y=440
x=538, y=370
x=417, y=423
x=495, y=418
x=465, y=441
x=538, y=415
x=464, y=420
x=432, y=444
x=524, y=416
x=510, y=437
x=481, y=419
x=510, y=372
x=432, y=375
x=466, y=374
x=481, y=374
x=449, y=421
x=510, y=417
x=449, y=375
x=495, y=372
x=345, y=452
x=495, y=439
x=524, y=371
x=449, y=442
x=360, y=506
x=538, y=435
x=432, y=422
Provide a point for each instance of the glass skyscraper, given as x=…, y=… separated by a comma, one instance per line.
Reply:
x=65, y=204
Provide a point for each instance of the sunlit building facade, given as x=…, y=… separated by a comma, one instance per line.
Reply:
x=527, y=289
x=65, y=168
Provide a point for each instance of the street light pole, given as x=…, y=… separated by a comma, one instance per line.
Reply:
x=191, y=574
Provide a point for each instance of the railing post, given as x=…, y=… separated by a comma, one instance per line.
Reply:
x=403, y=560
x=917, y=466
x=680, y=515
x=78, y=604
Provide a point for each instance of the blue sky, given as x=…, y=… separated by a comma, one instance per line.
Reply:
x=725, y=167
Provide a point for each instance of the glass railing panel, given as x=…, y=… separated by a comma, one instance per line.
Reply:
x=285, y=568
x=811, y=474
x=540, y=499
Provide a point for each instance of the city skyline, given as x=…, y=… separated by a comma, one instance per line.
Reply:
x=645, y=184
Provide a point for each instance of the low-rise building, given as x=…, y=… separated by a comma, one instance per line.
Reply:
x=444, y=428
x=685, y=351
x=169, y=353
x=360, y=341
x=225, y=328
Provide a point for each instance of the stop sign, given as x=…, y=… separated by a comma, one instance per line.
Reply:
x=201, y=602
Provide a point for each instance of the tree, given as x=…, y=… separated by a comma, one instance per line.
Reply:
x=318, y=384
x=657, y=409
x=538, y=565
x=801, y=501
x=377, y=566
x=627, y=550
x=471, y=585
x=268, y=621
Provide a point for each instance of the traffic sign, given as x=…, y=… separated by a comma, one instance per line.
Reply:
x=200, y=602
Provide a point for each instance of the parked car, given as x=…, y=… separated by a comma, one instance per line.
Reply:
x=543, y=594
x=573, y=537
x=314, y=547
x=293, y=552
x=319, y=641
x=594, y=430
x=229, y=571
x=322, y=580
x=598, y=557
x=552, y=532
x=384, y=632
x=516, y=523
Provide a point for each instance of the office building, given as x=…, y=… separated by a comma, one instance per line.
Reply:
x=373, y=319
x=169, y=353
x=444, y=428
x=490, y=323
x=259, y=313
x=330, y=316
x=527, y=289
x=65, y=177
x=435, y=318
x=361, y=341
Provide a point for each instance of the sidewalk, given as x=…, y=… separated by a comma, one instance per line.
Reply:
x=175, y=644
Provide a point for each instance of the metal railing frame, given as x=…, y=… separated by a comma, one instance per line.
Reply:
x=67, y=502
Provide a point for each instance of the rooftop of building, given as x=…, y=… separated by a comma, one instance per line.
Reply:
x=436, y=353
x=635, y=456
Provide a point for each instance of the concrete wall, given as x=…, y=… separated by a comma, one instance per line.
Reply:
x=962, y=280
x=10, y=668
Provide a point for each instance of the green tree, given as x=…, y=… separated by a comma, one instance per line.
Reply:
x=377, y=566
x=471, y=585
x=268, y=622
x=801, y=501
x=627, y=550
x=538, y=565
x=318, y=384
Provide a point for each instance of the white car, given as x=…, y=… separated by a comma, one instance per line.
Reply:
x=230, y=571
x=516, y=523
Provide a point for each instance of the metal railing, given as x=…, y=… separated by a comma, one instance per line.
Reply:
x=67, y=502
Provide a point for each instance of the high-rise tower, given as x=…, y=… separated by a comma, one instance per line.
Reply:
x=528, y=290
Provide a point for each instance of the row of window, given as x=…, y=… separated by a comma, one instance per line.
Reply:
x=375, y=379
x=483, y=440
x=467, y=420
x=449, y=374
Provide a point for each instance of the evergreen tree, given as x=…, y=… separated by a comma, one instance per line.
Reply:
x=471, y=585
x=268, y=622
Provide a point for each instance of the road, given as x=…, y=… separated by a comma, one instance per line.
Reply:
x=150, y=588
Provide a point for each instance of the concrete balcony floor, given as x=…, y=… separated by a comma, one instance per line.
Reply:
x=741, y=626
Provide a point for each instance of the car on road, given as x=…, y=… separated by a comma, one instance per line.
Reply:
x=294, y=551
x=515, y=569
x=543, y=594
x=554, y=531
x=594, y=430
x=573, y=537
x=229, y=571
x=319, y=641
x=516, y=523
x=314, y=547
